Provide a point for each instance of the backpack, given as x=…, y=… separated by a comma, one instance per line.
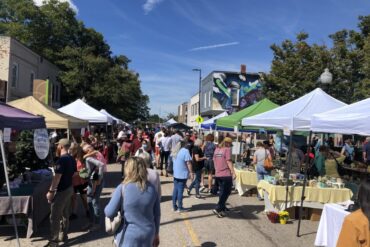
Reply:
x=209, y=149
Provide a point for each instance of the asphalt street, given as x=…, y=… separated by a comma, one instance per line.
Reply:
x=245, y=225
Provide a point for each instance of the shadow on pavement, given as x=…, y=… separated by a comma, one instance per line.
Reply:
x=166, y=198
x=208, y=244
x=246, y=212
x=203, y=206
x=112, y=180
x=188, y=218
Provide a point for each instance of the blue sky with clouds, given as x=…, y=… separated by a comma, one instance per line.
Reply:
x=166, y=39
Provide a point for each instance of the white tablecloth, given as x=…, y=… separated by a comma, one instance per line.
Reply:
x=331, y=221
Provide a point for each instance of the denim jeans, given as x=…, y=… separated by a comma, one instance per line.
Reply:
x=93, y=202
x=164, y=158
x=178, y=190
x=196, y=182
x=261, y=173
x=226, y=184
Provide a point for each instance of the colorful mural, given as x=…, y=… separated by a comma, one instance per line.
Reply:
x=232, y=91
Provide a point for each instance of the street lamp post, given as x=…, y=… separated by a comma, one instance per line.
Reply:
x=325, y=78
x=200, y=85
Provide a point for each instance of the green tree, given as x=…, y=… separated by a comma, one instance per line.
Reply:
x=155, y=118
x=297, y=65
x=295, y=69
x=88, y=68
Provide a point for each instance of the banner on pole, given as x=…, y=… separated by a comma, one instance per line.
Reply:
x=41, y=143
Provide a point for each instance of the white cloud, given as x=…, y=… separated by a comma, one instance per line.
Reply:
x=71, y=4
x=149, y=5
x=214, y=46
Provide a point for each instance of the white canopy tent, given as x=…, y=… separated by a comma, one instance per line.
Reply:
x=118, y=121
x=171, y=121
x=211, y=123
x=350, y=119
x=81, y=110
x=295, y=115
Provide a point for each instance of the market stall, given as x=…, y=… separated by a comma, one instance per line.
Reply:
x=29, y=203
x=295, y=115
x=81, y=110
x=246, y=179
x=235, y=119
x=178, y=126
x=13, y=118
x=169, y=122
x=342, y=120
x=117, y=120
x=54, y=119
x=210, y=124
x=291, y=117
x=315, y=196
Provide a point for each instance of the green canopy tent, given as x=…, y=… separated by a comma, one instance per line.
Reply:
x=235, y=119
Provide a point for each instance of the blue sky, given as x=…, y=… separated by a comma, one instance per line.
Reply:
x=166, y=39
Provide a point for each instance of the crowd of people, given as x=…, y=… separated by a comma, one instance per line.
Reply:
x=80, y=168
x=184, y=155
x=144, y=157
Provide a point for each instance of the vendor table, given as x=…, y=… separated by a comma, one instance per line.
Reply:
x=245, y=180
x=331, y=221
x=361, y=172
x=274, y=196
x=29, y=200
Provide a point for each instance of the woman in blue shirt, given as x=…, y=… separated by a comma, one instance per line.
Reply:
x=141, y=208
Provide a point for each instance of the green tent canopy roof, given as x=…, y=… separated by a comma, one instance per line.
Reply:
x=236, y=118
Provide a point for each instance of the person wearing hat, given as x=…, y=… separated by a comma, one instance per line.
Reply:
x=224, y=173
x=60, y=193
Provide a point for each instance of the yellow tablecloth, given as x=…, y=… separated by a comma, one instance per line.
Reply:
x=245, y=180
x=321, y=195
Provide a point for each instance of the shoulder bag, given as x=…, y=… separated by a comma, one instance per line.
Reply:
x=111, y=226
x=341, y=171
x=267, y=163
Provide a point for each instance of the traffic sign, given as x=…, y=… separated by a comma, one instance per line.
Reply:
x=199, y=120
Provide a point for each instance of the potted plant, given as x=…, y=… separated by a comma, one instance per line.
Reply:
x=283, y=217
x=273, y=217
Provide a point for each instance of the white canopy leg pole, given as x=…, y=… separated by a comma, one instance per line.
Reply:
x=8, y=187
